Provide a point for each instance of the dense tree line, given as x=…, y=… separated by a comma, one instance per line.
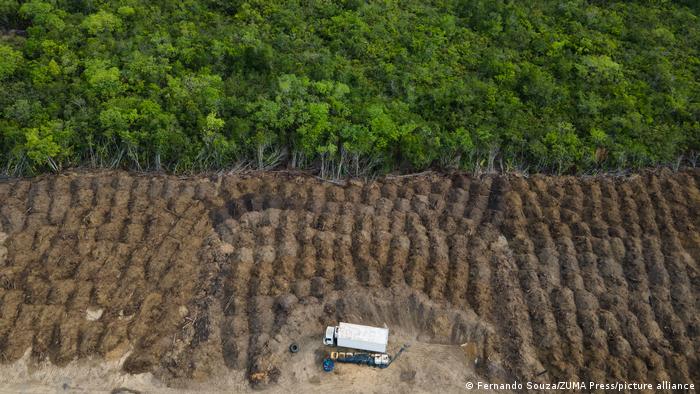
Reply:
x=348, y=86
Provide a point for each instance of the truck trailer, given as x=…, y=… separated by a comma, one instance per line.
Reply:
x=356, y=336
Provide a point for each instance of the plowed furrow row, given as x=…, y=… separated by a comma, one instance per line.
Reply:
x=656, y=279
x=418, y=252
x=397, y=258
x=684, y=218
x=361, y=245
x=659, y=277
x=458, y=277
x=635, y=339
x=577, y=322
x=677, y=259
x=638, y=279
x=510, y=308
x=530, y=269
x=613, y=296
x=479, y=292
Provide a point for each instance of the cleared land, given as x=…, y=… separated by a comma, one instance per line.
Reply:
x=205, y=281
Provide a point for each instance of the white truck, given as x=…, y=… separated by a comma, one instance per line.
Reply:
x=356, y=336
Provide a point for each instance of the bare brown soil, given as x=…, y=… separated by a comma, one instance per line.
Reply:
x=538, y=279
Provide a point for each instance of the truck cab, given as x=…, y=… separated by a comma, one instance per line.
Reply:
x=329, y=339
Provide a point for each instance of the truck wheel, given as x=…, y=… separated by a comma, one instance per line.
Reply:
x=294, y=348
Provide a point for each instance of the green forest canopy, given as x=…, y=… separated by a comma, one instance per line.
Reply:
x=348, y=86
